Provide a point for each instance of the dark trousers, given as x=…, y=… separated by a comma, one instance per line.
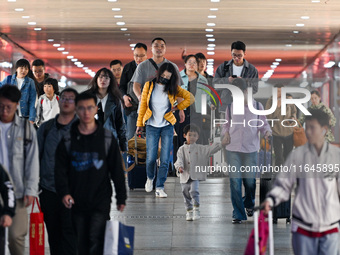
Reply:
x=283, y=145
x=61, y=237
x=90, y=231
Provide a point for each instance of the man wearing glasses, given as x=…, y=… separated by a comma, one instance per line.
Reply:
x=57, y=218
x=237, y=67
x=139, y=55
x=85, y=162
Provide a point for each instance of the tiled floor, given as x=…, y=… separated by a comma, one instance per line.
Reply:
x=161, y=228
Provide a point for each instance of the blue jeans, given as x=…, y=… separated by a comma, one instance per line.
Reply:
x=131, y=124
x=239, y=203
x=191, y=194
x=326, y=245
x=152, y=139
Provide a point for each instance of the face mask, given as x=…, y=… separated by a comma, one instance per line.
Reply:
x=163, y=80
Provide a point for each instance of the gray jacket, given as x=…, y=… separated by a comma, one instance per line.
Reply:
x=317, y=192
x=194, y=158
x=48, y=142
x=24, y=173
x=225, y=70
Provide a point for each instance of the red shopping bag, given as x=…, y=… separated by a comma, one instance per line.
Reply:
x=37, y=236
x=263, y=231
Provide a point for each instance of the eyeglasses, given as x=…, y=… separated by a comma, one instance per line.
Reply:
x=65, y=99
x=103, y=77
x=6, y=107
x=139, y=56
x=83, y=109
x=237, y=55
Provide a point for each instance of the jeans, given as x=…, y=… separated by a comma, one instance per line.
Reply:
x=326, y=245
x=152, y=139
x=191, y=194
x=281, y=154
x=90, y=231
x=239, y=203
x=57, y=217
x=131, y=125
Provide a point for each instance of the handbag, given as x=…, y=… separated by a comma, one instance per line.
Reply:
x=299, y=135
x=119, y=238
x=37, y=235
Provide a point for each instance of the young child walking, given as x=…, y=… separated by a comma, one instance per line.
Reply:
x=48, y=106
x=190, y=155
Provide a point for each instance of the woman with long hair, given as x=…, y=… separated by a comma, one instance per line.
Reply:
x=110, y=104
x=156, y=113
x=317, y=104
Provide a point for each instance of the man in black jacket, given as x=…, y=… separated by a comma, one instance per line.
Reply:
x=83, y=168
x=139, y=55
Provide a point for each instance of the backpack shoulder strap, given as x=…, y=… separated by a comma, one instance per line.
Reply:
x=153, y=63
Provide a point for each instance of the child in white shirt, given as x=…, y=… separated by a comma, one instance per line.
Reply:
x=48, y=106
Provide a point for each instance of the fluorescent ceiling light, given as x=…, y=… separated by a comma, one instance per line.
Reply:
x=25, y=17
x=276, y=63
x=296, y=32
x=120, y=23
x=37, y=28
x=50, y=40
x=209, y=35
x=132, y=45
x=85, y=68
x=61, y=49
x=19, y=9
x=213, y=9
x=12, y=0
x=124, y=29
x=289, y=45
x=212, y=17
x=211, y=39
x=273, y=66
x=210, y=48
x=32, y=23
x=304, y=17
x=300, y=25
x=77, y=63
x=56, y=45
x=315, y=1
x=210, y=60
x=329, y=64
x=278, y=59
x=112, y=0
x=70, y=57
x=211, y=24
x=215, y=1
x=211, y=45
x=211, y=53
x=209, y=30
x=65, y=52
x=116, y=9
x=118, y=16
x=74, y=59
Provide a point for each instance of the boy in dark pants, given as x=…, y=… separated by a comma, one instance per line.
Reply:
x=85, y=163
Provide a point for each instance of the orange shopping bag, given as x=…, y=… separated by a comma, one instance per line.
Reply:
x=37, y=240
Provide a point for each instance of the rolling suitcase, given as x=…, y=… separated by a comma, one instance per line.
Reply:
x=137, y=176
x=263, y=230
x=282, y=211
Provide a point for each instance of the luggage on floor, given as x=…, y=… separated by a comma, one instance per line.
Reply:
x=282, y=211
x=137, y=175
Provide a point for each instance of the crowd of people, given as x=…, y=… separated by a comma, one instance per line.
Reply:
x=65, y=147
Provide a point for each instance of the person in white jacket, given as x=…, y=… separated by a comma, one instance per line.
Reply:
x=314, y=173
x=191, y=164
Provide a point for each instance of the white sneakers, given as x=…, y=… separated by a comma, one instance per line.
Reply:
x=193, y=214
x=149, y=185
x=189, y=215
x=196, y=214
x=161, y=193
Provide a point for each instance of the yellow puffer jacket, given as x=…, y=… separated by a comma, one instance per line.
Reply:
x=145, y=112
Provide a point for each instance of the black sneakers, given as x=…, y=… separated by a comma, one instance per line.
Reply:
x=250, y=212
x=236, y=221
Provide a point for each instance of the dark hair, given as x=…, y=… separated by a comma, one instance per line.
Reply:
x=113, y=89
x=191, y=128
x=54, y=83
x=279, y=85
x=172, y=86
x=190, y=56
x=316, y=93
x=289, y=95
x=22, y=63
x=86, y=96
x=200, y=55
x=115, y=62
x=38, y=62
x=319, y=115
x=11, y=93
x=238, y=45
x=158, y=39
x=141, y=45
x=240, y=83
x=69, y=90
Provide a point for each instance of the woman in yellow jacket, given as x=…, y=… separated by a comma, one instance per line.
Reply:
x=156, y=113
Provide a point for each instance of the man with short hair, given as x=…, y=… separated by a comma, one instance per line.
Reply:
x=116, y=67
x=315, y=178
x=147, y=70
x=85, y=162
x=38, y=69
x=237, y=67
x=57, y=218
x=139, y=55
x=19, y=153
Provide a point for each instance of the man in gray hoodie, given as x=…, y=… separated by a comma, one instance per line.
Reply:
x=314, y=173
